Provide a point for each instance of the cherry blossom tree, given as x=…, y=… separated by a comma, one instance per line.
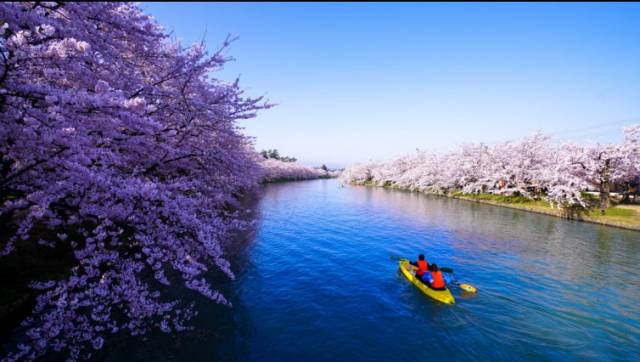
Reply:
x=117, y=141
x=564, y=186
x=600, y=165
x=275, y=170
x=630, y=165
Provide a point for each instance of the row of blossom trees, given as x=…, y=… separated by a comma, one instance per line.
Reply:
x=532, y=167
x=116, y=142
x=276, y=170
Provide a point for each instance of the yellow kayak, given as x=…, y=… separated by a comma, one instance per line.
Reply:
x=443, y=296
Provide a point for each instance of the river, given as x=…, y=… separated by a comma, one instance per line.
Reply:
x=316, y=283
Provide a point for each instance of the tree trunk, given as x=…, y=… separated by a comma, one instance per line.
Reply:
x=604, y=188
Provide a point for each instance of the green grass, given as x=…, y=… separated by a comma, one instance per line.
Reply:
x=521, y=200
x=618, y=216
x=614, y=216
x=589, y=197
x=615, y=212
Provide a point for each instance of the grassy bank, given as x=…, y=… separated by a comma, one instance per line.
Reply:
x=622, y=216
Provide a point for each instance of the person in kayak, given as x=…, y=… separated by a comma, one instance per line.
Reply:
x=422, y=267
x=435, y=279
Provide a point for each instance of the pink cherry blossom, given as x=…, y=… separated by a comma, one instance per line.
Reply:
x=532, y=167
x=123, y=145
x=276, y=170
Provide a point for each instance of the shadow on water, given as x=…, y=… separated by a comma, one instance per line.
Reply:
x=213, y=337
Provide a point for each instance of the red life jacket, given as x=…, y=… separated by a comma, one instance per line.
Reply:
x=423, y=266
x=438, y=280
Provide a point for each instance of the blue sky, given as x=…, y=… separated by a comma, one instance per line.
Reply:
x=360, y=81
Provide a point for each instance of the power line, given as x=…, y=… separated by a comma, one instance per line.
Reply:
x=606, y=125
x=590, y=134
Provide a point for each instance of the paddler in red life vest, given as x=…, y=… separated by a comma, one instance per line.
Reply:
x=422, y=267
x=435, y=278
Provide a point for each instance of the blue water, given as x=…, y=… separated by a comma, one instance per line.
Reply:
x=316, y=283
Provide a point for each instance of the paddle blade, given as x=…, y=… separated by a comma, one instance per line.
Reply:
x=468, y=288
x=446, y=270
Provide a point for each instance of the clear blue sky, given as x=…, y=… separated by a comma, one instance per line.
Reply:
x=361, y=81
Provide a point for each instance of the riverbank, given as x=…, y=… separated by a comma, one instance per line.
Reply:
x=281, y=171
x=289, y=179
x=620, y=216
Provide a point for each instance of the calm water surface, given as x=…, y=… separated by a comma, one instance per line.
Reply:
x=316, y=283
